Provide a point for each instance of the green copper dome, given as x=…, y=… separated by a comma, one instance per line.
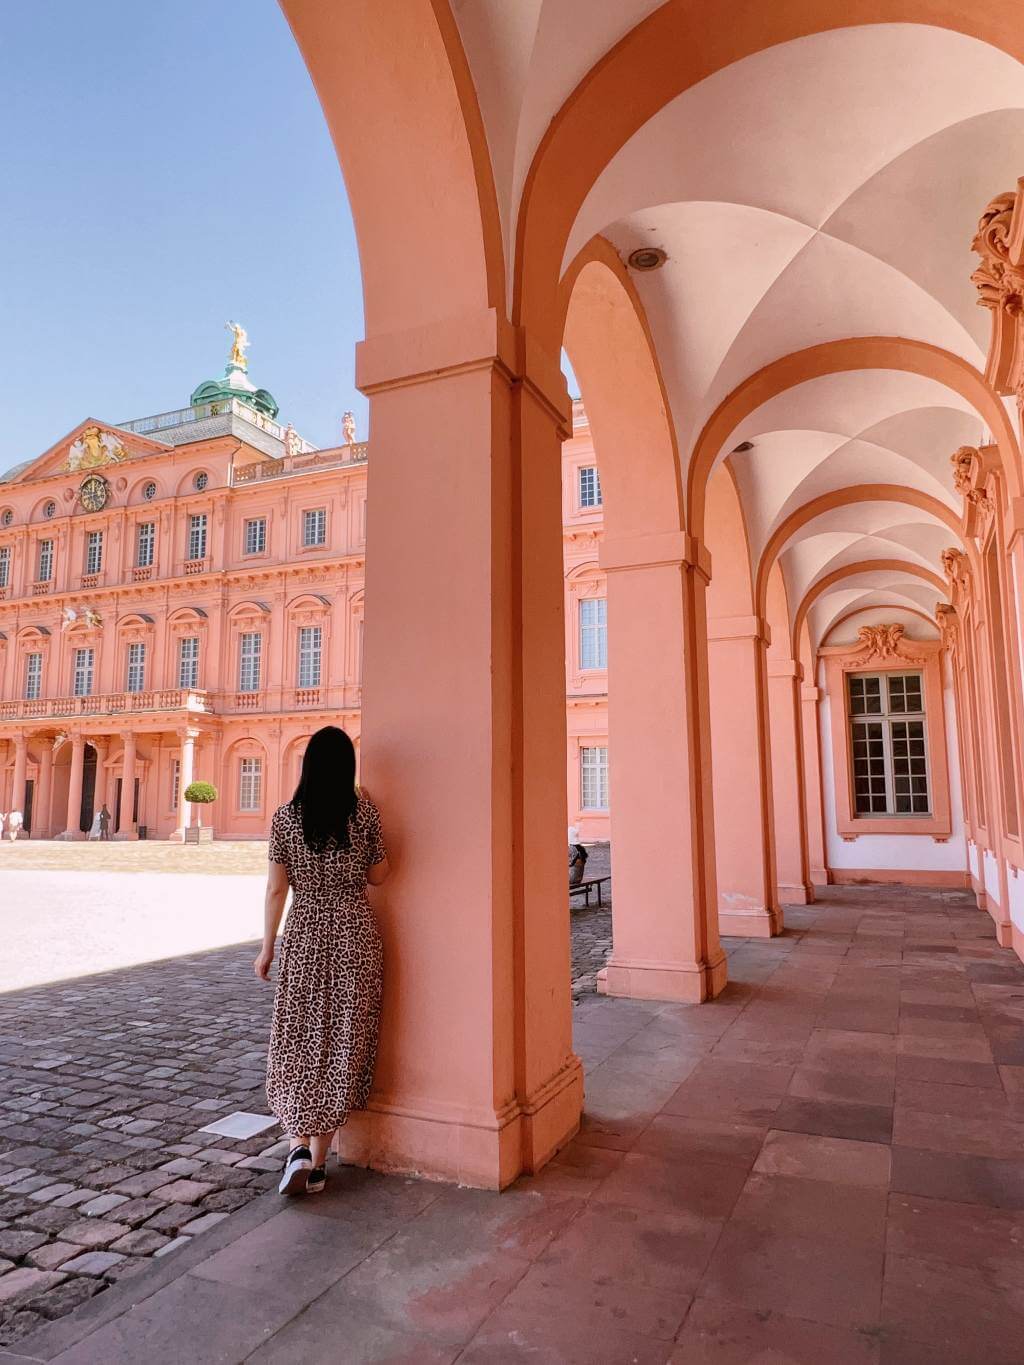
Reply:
x=235, y=383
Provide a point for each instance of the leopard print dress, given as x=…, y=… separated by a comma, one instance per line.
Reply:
x=323, y=1038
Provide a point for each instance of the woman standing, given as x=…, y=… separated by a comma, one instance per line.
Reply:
x=326, y=844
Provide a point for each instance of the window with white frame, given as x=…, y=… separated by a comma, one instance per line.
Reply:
x=145, y=544
x=594, y=632
x=310, y=641
x=250, y=783
x=175, y=782
x=594, y=777
x=255, y=535
x=197, y=536
x=888, y=744
x=44, y=562
x=93, y=551
x=589, y=485
x=84, y=661
x=314, y=526
x=136, y=676
x=188, y=661
x=33, y=676
x=250, y=650
x=5, y=566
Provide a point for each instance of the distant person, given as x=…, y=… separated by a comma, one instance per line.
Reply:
x=577, y=857
x=326, y=844
x=104, y=820
x=15, y=820
x=94, y=828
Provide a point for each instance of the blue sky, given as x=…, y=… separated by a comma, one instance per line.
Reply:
x=166, y=167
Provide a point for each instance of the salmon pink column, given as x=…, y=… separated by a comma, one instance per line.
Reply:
x=127, y=824
x=41, y=807
x=744, y=837
x=186, y=775
x=784, y=679
x=463, y=747
x=72, y=827
x=664, y=915
x=20, y=771
x=810, y=698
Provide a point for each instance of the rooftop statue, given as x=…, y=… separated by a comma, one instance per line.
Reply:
x=348, y=428
x=239, y=344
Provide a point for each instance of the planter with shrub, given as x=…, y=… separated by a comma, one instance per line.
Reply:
x=199, y=794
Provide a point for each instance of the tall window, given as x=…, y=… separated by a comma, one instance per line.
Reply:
x=175, y=782
x=145, y=543
x=5, y=566
x=197, y=536
x=594, y=778
x=250, y=784
x=255, y=535
x=44, y=566
x=594, y=632
x=250, y=650
x=589, y=486
x=888, y=743
x=310, y=638
x=33, y=676
x=136, y=679
x=94, y=552
x=188, y=661
x=314, y=526
x=83, y=667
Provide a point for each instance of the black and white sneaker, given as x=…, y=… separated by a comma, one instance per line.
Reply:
x=297, y=1167
x=316, y=1180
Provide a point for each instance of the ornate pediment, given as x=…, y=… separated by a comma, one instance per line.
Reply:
x=91, y=445
x=883, y=642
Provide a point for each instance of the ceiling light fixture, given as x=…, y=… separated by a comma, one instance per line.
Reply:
x=646, y=258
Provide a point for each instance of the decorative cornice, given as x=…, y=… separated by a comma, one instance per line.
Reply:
x=883, y=642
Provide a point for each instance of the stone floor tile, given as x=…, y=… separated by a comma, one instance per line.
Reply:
x=830, y=1282
x=835, y=1118
x=720, y=1333
x=50, y=1255
x=975, y=1049
x=681, y=1187
x=839, y=1160
x=950, y=1305
x=992, y=1240
x=687, y=1139
x=827, y=1084
x=92, y=1263
x=509, y=1338
x=960, y=1133
x=970, y=1101
x=853, y=1215
x=957, y=1178
x=724, y=1103
x=721, y=1069
x=302, y=1341
x=946, y=1071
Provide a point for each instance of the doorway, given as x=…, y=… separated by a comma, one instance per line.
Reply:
x=30, y=791
x=117, y=806
x=86, y=810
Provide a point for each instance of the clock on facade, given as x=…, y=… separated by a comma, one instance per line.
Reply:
x=93, y=493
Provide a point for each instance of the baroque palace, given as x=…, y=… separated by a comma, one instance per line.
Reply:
x=181, y=597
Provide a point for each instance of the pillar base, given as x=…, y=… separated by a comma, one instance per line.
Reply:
x=476, y=1148
x=690, y=984
x=1004, y=931
x=821, y=876
x=764, y=923
x=126, y=834
x=796, y=895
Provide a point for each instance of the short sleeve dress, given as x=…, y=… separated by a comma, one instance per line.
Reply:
x=323, y=1038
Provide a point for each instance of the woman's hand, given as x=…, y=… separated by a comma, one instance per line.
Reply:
x=262, y=964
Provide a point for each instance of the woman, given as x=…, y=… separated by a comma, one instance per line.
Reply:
x=577, y=857
x=326, y=844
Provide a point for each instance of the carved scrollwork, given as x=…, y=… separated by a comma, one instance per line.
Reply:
x=998, y=284
x=956, y=567
x=963, y=461
x=949, y=624
x=882, y=642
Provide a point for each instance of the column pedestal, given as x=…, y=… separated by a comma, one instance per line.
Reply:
x=794, y=882
x=664, y=912
x=810, y=697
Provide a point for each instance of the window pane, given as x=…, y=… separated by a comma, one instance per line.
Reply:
x=589, y=486
x=250, y=649
x=594, y=778
x=188, y=661
x=256, y=536
x=197, y=536
x=250, y=783
x=136, y=679
x=83, y=664
x=314, y=526
x=594, y=633
x=309, y=656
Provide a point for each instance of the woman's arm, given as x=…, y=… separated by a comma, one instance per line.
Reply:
x=379, y=872
x=273, y=909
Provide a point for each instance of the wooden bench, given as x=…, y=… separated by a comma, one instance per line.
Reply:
x=586, y=886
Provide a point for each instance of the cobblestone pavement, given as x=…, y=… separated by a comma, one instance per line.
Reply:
x=105, y=1083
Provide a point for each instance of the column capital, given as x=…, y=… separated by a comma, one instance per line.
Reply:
x=739, y=628
x=660, y=549
x=21, y=741
x=77, y=738
x=128, y=737
x=187, y=733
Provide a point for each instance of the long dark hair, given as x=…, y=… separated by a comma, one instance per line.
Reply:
x=325, y=799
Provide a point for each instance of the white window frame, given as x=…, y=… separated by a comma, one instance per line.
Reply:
x=145, y=544
x=255, y=539
x=588, y=487
x=314, y=527
x=250, y=660
x=83, y=667
x=886, y=718
x=94, y=552
x=310, y=642
x=5, y=566
x=593, y=770
x=196, y=536
x=592, y=635
x=135, y=669
x=188, y=661
x=33, y=675
x=44, y=560
x=250, y=784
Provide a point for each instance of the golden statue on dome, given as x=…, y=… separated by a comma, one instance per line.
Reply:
x=239, y=344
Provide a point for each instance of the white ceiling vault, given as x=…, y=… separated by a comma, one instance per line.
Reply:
x=823, y=188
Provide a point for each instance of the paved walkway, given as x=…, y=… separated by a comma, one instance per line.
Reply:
x=824, y=1166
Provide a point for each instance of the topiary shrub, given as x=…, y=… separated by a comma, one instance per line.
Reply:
x=200, y=794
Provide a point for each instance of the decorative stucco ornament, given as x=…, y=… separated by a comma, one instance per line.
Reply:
x=84, y=616
x=94, y=449
x=956, y=567
x=962, y=461
x=996, y=281
x=884, y=642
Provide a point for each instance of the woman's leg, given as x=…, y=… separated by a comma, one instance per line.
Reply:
x=301, y=1141
x=320, y=1146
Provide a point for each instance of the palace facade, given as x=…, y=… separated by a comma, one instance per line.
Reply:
x=181, y=597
